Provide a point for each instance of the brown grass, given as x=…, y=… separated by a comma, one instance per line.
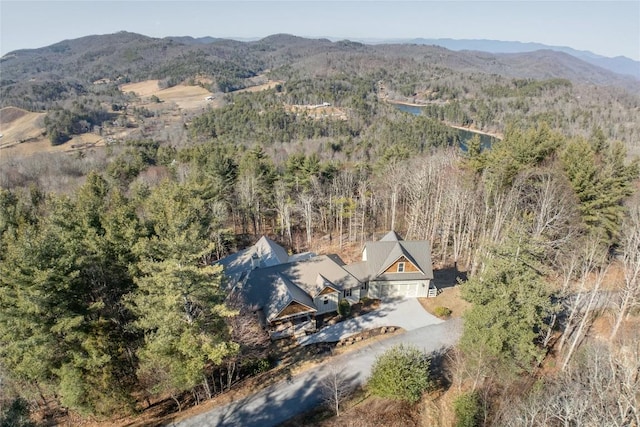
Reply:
x=10, y=114
x=145, y=88
x=17, y=126
x=363, y=411
x=260, y=87
x=450, y=298
x=183, y=96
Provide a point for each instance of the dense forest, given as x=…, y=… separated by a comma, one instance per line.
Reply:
x=108, y=297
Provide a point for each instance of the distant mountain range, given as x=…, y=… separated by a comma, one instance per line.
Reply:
x=137, y=57
x=619, y=64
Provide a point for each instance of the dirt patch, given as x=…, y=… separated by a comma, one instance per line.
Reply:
x=448, y=297
x=603, y=325
x=319, y=111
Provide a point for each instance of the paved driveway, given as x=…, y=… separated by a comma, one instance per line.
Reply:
x=406, y=313
x=279, y=402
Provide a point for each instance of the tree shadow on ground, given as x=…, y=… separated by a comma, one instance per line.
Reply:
x=448, y=277
x=273, y=405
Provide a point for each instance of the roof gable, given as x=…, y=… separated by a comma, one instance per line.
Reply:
x=264, y=253
x=270, y=252
x=384, y=253
x=322, y=284
x=409, y=266
x=283, y=293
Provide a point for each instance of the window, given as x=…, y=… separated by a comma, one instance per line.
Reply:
x=364, y=286
x=347, y=293
x=325, y=300
x=401, y=267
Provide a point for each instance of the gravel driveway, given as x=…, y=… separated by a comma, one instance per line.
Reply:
x=406, y=313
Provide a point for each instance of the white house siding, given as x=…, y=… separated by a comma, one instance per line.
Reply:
x=354, y=297
x=331, y=305
x=408, y=289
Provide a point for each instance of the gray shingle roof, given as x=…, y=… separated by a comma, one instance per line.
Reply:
x=282, y=293
x=359, y=270
x=265, y=287
x=266, y=251
x=383, y=253
x=281, y=280
x=391, y=236
x=270, y=252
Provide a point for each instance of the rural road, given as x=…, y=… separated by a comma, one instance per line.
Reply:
x=282, y=401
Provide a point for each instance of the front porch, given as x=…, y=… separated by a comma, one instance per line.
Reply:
x=294, y=326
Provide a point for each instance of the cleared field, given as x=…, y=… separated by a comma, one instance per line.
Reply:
x=258, y=88
x=23, y=135
x=18, y=125
x=146, y=88
x=184, y=97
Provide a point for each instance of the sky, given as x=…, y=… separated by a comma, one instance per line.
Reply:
x=608, y=28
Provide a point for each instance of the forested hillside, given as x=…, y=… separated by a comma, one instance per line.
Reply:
x=109, y=302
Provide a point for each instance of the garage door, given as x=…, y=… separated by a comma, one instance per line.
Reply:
x=405, y=289
x=411, y=290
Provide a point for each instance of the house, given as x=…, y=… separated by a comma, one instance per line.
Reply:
x=289, y=292
x=288, y=297
x=393, y=267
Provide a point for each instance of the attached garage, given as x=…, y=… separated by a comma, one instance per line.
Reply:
x=405, y=289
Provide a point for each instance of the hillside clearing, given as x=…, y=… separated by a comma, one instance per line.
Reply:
x=260, y=87
x=144, y=88
x=18, y=125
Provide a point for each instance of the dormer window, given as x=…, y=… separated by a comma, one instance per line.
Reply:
x=400, y=267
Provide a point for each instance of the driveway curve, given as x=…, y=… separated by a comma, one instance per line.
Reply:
x=282, y=401
x=406, y=313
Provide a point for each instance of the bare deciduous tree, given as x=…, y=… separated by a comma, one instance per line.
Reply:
x=593, y=271
x=306, y=201
x=631, y=263
x=336, y=387
x=284, y=207
x=599, y=388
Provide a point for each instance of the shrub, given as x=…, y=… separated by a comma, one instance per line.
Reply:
x=344, y=308
x=402, y=373
x=258, y=366
x=16, y=414
x=366, y=301
x=442, y=312
x=467, y=409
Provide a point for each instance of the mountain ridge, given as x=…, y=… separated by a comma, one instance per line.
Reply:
x=618, y=64
x=138, y=57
